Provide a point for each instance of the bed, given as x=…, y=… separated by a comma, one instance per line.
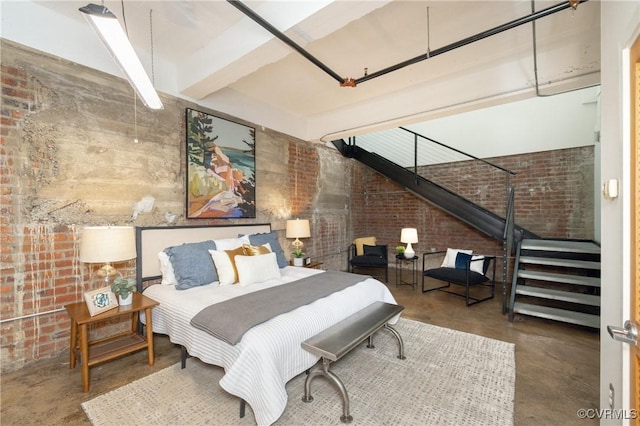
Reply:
x=258, y=367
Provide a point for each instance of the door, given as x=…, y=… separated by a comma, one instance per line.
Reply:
x=634, y=359
x=629, y=333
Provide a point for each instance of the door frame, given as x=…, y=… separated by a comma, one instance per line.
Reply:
x=634, y=91
x=619, y=29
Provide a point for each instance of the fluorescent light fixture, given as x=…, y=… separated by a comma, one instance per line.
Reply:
x=114, y=38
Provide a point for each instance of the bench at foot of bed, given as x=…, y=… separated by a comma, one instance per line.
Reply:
x=339, y=339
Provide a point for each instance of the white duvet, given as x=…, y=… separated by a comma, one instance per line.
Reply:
x=269, y=355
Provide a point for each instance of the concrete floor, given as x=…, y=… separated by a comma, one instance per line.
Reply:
x=557, y=366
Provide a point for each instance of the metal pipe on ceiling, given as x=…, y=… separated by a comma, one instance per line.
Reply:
x=430, y=54
x=273, y=30
x=480, y=36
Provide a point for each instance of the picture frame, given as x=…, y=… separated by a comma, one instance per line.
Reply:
x=221, y=167
x=100, y=300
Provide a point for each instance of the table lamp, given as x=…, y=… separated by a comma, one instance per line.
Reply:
x=298, y=229
x=409, y=236
x=107, y=244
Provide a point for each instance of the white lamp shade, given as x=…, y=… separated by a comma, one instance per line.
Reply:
x=106, y=244
x=409, y=235
x=298, y=229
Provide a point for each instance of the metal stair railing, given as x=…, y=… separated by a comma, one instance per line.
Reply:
x=508, y=240
x=396, y=152
x=431, y=159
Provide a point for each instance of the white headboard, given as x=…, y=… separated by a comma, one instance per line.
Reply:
x=153, y=239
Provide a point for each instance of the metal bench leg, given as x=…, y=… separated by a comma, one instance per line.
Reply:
x=323, y=370
x=400, y=342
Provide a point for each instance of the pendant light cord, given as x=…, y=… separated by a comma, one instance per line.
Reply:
x=428, y=37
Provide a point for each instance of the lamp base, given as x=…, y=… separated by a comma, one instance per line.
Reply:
x=104, y=277
x=408, y=252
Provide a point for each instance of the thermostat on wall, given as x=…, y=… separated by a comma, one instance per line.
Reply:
x=610, y=189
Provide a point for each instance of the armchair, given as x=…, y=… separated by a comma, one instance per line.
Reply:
x=460, y=267
x=365, y=253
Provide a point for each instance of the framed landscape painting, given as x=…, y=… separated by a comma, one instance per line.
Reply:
x=221, y=167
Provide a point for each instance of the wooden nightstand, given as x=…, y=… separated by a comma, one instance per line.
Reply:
x=314, y=265
x=90, y=353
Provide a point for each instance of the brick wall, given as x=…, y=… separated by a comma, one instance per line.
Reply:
x=553, y=195
x=553, y=189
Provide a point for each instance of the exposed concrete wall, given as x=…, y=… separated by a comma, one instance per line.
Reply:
x=69, y=159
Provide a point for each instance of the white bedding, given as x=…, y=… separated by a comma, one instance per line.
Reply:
x=269, y=355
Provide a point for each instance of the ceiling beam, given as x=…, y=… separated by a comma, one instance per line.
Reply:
x=246, y=47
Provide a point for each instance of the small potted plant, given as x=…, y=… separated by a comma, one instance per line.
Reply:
x=298, y=257
x=399, y=250
x=124, y=288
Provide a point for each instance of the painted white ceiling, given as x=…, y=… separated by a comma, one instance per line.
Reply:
x=209, y=52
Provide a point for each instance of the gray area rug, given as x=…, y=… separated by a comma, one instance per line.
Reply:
x=447, y=378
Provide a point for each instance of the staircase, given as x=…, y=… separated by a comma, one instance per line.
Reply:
x=483, y=220
x=557, y=280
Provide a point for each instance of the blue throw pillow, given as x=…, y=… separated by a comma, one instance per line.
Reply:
x=272, y=239
x=192, y=264
x=462, y=260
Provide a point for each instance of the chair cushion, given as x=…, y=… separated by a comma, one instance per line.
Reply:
x=374, y=250
x=369, y=261
x=455, y=276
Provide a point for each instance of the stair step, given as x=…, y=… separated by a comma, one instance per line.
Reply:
x=561, y=246
x=565, y=296
x=559, y=278
x=556, y=314
x=569, y=263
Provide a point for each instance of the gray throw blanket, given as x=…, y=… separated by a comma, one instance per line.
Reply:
x=229, y=320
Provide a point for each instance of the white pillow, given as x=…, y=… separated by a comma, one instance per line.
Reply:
x=257, y=269
x=231, y=243
x=225, y=267
x=450, y=258
x=166, y=269
x=477, y=266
